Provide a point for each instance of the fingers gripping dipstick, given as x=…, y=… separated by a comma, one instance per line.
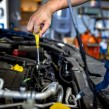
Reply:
x=37, y=46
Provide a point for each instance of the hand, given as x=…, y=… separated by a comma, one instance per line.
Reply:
x=41, y=19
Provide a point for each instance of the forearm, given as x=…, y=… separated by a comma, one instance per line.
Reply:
x=44, y=14
x=55, y=5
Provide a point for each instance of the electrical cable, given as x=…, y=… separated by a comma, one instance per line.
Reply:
x=60, y=75
x=26, y=80
x=91, y=84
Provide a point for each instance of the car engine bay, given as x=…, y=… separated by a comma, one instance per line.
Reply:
x=60, y=77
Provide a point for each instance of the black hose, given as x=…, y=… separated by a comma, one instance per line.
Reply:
x=91, y=84
x=68, y=82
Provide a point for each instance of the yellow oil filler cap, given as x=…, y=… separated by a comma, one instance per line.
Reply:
x=59, y=106
x=17, y=68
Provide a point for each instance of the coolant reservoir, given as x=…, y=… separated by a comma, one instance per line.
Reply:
x=59, y=106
